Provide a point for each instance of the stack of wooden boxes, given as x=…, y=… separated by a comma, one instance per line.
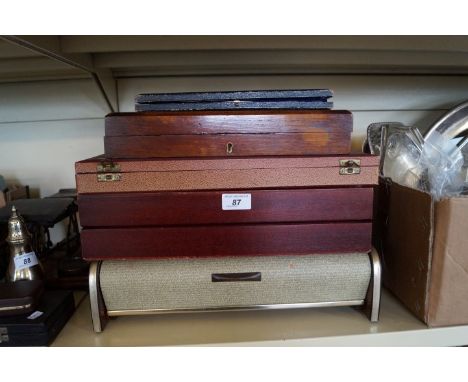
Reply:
x=224, y=209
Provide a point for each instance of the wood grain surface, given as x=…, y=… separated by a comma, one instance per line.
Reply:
x=225, y=240
x=204, y=207
x=229, y=145
x=228, y=122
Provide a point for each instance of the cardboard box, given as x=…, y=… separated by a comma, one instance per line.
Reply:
x=424, y=250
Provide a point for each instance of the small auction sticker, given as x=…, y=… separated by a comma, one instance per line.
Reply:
x=25, y=261
x=236, y=201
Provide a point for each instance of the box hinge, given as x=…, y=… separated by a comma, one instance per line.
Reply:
x=350, y=166
x=108, y=166
x=108, y=171
x=4, y=335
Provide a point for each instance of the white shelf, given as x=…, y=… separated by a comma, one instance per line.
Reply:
x=302, y=327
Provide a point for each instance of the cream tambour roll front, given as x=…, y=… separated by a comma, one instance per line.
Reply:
x=122, y=287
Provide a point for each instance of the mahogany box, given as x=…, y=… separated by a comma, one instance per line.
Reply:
x=227, y=133
x=423, y=247
x=132, y=209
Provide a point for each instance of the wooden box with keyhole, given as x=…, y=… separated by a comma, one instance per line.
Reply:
x=228, y=133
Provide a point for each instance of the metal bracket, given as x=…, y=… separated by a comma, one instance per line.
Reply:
x=372, y=305
x=98, y=308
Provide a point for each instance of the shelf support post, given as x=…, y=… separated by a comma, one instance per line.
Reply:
x=49, y=46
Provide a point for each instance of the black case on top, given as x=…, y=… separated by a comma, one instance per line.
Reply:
x=236, y=100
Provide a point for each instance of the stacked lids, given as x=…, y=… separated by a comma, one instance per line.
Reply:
x=235, y=100
x=229, y=124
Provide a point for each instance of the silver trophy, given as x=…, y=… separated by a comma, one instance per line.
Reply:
x=24, y=264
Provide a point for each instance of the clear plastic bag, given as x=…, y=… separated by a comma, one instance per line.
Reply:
x=434, y=166
x=442, y=164
x=402, y=147
x=402, y=158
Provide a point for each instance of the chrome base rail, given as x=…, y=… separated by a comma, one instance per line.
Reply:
x=113, y=313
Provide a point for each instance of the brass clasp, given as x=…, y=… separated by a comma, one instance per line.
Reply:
x=109, y=177
x=108, y=171
x=108, y=166
x=350, y=166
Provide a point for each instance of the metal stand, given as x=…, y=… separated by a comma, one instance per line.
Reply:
x=372, y=302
